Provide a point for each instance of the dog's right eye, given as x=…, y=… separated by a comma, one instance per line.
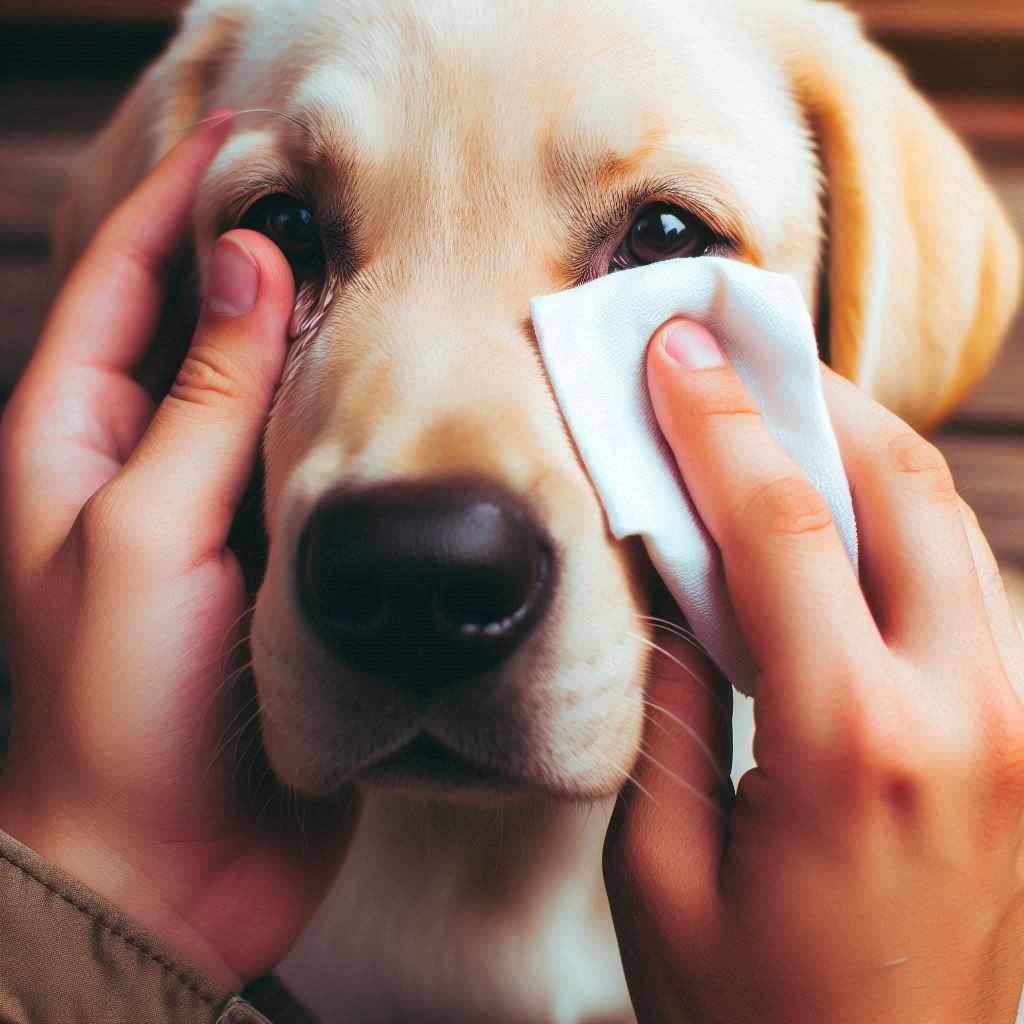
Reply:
x=662, y=231
x=290, y=225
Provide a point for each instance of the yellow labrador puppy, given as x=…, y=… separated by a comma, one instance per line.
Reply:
x=444, y=615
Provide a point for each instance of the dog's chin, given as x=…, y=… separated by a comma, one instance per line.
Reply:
x=425, y=768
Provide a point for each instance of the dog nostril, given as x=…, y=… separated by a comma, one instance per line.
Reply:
x=491, y=604
x=423, y=583
x=352, y=600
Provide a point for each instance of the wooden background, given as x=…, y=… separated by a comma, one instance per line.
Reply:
x=65, y=63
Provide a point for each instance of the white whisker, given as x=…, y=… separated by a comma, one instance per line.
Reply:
x=689, y=671
x=275, y=792
x=255, y=737
x=689, y=787
x=232, y=734
x=693, y=734
x=673, y=627
x=622, y=771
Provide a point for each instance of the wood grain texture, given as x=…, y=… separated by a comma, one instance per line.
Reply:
x=964, y=18
x=159, y=11
x=26, y=291
x=972, y=18
x=999, y=399
x=989, y=473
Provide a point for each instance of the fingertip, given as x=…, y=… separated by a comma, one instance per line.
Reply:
x=679, y=347
x=276, y=292
x=249, y=296
x=247, y=305
x=657, y=357
x=233, y=284
x=685, y=343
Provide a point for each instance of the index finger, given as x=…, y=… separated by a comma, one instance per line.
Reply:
x=795, y=595
x=76, y=411
x=107, y=310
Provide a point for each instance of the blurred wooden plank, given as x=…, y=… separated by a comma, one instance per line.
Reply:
x=990, y=127
x=1000, y=397
x=33, y=170
x=91, y=10
x=26, y=291
x=70, y=65
x=53, y=105
x=961, y=66
x=944, y=17
x=989, y=473
x=980, y=17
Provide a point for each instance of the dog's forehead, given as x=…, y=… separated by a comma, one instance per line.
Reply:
x=602, y=75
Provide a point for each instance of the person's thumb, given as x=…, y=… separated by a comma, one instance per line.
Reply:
x=666, y=840
x=196, y=458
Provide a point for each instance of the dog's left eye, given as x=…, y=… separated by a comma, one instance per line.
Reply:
x=662, y=231
x=290, y=226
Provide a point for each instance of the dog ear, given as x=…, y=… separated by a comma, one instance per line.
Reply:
x=923, y=269
x=173, y=94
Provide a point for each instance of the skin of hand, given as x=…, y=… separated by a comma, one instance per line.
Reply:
x=122, y=603
x=871, y=867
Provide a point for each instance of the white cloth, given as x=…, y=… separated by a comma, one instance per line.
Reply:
x=593, y=340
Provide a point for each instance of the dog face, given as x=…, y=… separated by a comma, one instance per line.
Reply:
x=444, y=608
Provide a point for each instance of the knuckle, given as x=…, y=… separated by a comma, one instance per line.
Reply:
x=113, y=530
x=1004, y=753
x=102, y=524
x=893, y=777
x=920, y=462
x=206, y=377
x=787, y=505
x=875, y=754
x=1008, y=781
x=888, y=755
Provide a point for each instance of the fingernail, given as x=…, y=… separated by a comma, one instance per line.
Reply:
x=693, y=345
x=234, y=279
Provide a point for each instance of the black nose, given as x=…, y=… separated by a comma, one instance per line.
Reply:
x=423, y=584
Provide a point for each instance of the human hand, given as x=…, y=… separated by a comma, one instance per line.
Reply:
x=871, y=867
x=123, y=605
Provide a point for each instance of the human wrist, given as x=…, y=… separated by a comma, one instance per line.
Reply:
x=85, y=854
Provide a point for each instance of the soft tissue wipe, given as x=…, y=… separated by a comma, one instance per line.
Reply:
x=594, y=339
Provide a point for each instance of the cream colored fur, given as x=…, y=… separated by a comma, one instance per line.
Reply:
x=461, y=146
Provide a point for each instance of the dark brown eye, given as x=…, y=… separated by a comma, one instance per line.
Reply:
x=290, y=226
x=662, y=231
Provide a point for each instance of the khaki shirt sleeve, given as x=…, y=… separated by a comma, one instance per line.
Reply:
x=68, y=955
